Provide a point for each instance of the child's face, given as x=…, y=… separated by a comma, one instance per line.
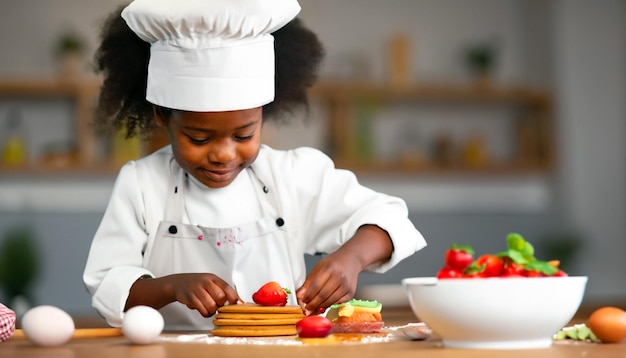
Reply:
x=215, y=147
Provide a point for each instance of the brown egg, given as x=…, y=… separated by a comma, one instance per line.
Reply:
x=608, y=324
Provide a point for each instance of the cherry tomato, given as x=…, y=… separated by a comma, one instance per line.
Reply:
x=512, y=269
x=533, y=273
x=458, y=257
x=491, y=265
x=516, y=261
x=447, y=272
x=314, y=327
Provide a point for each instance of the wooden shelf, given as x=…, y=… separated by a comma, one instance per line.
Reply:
x=48, y=87
x=339, y=99
x=441, y=92
x=374, y=166
x=73, y=171
x=535, y=148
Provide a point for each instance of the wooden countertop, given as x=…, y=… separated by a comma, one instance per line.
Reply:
x=120, y=347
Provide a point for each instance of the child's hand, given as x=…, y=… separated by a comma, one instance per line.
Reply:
x=332, y=280
x=204, y=292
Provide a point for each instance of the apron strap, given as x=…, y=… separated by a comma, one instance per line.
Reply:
x=175, y=204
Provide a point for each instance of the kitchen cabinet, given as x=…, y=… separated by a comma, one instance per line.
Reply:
x=531, y=140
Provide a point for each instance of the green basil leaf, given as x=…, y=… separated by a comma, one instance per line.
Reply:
x=475, y=268
x=530, y=259
x=515, y=241
x=528, y=250
x=517, y=257
x=503, y=254
x=541, y=266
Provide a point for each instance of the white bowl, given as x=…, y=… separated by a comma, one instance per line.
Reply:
x=495, y=313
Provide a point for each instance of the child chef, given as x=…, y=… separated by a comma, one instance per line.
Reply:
x=210, y=218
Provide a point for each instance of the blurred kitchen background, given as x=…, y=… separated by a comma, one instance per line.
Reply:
x=486, y=116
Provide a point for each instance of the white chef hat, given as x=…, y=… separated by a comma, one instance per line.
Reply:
x=210, y=55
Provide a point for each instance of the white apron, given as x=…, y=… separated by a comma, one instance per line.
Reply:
x=245, y=256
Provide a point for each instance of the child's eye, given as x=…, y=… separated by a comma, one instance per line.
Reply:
x=198, y=140
x=243, y=138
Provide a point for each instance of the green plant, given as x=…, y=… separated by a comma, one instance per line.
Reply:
x=481, y=58
x=19, y=263
x=69, y=42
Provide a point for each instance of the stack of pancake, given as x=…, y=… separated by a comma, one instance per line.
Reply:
x=252, y=320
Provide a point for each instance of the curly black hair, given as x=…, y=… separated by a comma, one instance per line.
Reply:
x=122, y=57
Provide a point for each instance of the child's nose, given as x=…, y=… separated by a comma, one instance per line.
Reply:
x=222, y=152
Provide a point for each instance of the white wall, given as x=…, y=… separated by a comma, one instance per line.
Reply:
x=28, y=30
x=590, y=56
x=439, y=31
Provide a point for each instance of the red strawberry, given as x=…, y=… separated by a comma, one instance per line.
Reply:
x=271, y=294
x=458, y=257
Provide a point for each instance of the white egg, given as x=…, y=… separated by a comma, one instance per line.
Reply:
x=142, y=324
x=47, y=326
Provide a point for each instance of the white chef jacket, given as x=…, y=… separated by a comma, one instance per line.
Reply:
x=324, y=207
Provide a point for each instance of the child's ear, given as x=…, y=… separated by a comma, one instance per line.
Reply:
x=158, y=115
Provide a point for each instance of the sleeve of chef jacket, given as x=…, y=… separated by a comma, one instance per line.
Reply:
x=115, y=258
x=337, y=205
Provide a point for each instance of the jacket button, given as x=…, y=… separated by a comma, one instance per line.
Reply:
x=172, y=229
x=280, y=222
x=266, y=189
